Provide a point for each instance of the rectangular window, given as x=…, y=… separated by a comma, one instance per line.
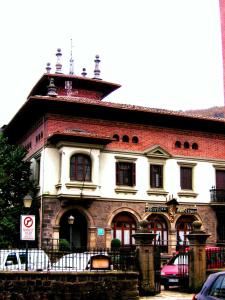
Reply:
x=125, y=173
x=156, y=176
x=186, y=178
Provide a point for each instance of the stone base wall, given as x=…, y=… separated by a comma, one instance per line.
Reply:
x=69, y=286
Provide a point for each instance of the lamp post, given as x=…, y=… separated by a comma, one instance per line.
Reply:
x=27, y=224
x=70, y=222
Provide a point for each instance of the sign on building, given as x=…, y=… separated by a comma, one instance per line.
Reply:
x=27, y=228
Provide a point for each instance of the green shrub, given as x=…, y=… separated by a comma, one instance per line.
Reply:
x=64, y=245
x=115, y=243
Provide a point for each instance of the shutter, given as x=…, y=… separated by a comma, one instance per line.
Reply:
x=133, y=174
x=152, y=185
x=186, y=178
x=117, y=173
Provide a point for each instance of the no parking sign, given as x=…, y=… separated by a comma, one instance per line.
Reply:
x=27, y=228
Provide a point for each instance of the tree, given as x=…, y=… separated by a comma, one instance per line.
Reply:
x=15, y=183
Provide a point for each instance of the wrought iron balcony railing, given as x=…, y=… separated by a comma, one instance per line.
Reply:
x=217, y=195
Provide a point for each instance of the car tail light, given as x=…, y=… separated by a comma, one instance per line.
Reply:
x=194, y=298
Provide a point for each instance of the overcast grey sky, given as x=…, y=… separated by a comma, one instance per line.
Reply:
x=165, y=53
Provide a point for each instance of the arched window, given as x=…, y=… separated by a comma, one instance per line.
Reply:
x=183, y=227
x=178, y=144
x=125, y=139
x=134, y=139
x=116, y=137
x=195, y=146
x=80, y=167
x=158, y=225
x=123, y=226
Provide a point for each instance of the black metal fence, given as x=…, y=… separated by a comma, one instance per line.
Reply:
x=77, y=261
x=93, y=259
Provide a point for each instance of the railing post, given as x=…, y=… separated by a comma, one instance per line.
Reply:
x=197, y=257
x=145, y=248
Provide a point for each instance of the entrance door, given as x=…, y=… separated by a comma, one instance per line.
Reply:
x=76, y=233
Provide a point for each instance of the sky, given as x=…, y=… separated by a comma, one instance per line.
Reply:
x=164, y=53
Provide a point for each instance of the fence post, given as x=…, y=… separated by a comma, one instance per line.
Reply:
x=143, y=240
x=197, y=257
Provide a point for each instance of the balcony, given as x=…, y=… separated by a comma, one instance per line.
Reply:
x=217, y=196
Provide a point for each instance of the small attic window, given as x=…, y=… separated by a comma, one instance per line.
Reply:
x=178, y=144
x=195, y=146
x=186, y=145
x=116, y=137
x=125, y=139
x=135, y=139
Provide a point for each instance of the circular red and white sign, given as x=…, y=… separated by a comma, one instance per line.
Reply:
x=28, y=222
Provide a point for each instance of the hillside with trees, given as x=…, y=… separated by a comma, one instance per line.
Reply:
x=215, y=112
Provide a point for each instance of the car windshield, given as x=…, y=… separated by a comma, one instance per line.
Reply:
x=218, y=288
x=12, y=258
x=178, y=260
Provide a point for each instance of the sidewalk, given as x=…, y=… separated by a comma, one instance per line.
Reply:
x=172, y=294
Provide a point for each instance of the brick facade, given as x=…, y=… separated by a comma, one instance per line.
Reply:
x=54, y=129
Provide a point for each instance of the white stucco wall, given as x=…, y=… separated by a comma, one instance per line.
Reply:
x=103, y=182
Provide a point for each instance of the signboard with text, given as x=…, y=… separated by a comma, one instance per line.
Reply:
x=27, y=227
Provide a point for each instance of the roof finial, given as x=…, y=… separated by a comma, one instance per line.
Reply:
x=71, y=71
x=52, y=90
x=84, y=73
x=96, y=70
x=58, y=63
x=48, y=67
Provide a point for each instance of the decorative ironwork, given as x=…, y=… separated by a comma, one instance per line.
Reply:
x=217, y=195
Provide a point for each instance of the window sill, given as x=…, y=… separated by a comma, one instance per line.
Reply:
x=81, y=185
x=187, y=193
x=125, y=190
x=157, y=192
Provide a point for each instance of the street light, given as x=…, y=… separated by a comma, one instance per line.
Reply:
x=70, y=222
x=27, y=201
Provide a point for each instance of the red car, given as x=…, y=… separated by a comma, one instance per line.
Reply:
x=174, y=271
x=177, y=268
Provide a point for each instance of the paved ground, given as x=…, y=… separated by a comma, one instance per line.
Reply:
x=172, y=294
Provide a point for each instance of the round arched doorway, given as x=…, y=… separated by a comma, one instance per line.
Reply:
x=76, y=233
x=158, y=225
x=123, y=226
x=183, y=227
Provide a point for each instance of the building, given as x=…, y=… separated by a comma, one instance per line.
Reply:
x=112, y=165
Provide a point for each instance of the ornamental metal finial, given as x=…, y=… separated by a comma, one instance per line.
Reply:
x=52, y=90
x=58, y=63
x=84, y=73
x=97, y=70
x=71, y=71
x=48, y=68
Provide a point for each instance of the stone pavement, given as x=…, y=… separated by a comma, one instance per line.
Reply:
x=172, y=294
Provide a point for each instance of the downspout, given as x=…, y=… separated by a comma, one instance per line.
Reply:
x=42, y=188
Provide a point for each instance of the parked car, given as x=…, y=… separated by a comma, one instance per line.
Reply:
x=175, y=270
x=213, y=288
x=15, y=260
x=78, y=262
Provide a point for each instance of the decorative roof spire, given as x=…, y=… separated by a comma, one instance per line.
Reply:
x=84, y=73
x=71, y=71
x=52, y=90
x=97, y=70
x=58, y=63
x=48, y=67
